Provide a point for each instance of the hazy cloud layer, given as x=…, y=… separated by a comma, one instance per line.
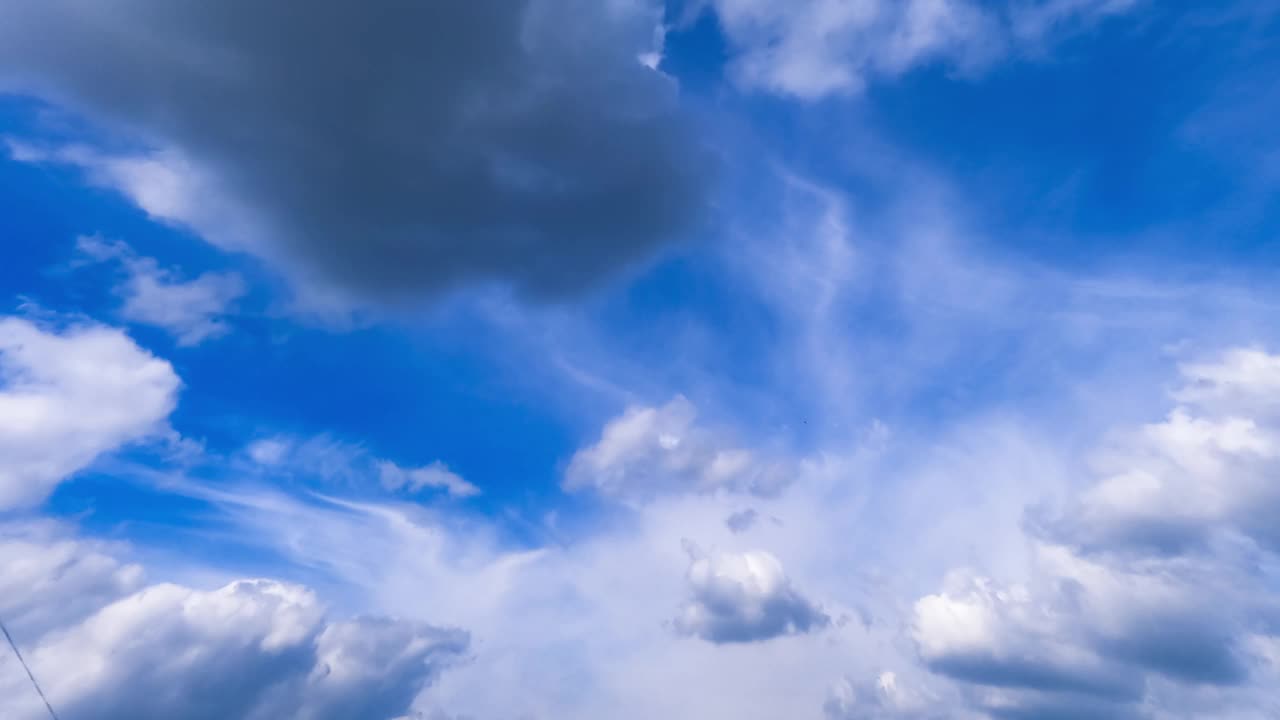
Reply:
x=814, y=48
x=379, y=152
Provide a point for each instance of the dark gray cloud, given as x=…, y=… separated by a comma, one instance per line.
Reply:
x=384, y=149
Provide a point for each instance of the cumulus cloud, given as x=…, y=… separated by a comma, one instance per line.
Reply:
x=649, y=451
x=744, y=597
x=1151, y=584
x=1004, y=637
x=53, y=579
x=380, y=154
x=253, y=649
x=191, y=310
x=68, y=396
x=1206, y=470
x=814, y=48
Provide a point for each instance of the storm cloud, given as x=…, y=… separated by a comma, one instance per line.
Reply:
x=379, y=151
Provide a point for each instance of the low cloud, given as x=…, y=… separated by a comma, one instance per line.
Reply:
x=69, y=395
x=744, y=597
x=1152, y=581
x=650, y=451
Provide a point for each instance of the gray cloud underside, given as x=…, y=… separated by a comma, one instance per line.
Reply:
x=394, y=149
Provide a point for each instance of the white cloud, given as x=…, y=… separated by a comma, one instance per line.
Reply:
x=648, y=451
x=436, y=476
x=1006, y=637
x=67, y=397
x=34, y=598
x=1147, y=586
x=192, y=311
x=1205, y=470
x=813, y=48
x=337, y=462
x=744, y=597
x=884, y=699
x=269, y=451
x=104, y=648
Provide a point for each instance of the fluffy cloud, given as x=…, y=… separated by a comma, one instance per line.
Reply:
x=648, y=451
x=192, y=310
x=813, y=48
x=1151, y=584
x=86, y=575
x=252, y=649
x=1000, y=637
x=68, y=396
x=744, y=597
x=1207, y=470
x=381, y=154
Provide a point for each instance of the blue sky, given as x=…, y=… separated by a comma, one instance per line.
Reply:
x=832, y=359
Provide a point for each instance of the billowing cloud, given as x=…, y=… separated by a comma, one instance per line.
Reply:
x=744, y=597
x=253, y=649
x=53, y=579
x=1154, y=581
x=191, y=310
x=813, y=48
x=648, y=451
x=68, y=396
x=384, y=152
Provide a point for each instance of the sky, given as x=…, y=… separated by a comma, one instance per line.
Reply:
x=569, y=359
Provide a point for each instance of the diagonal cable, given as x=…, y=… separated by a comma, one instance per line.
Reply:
x=23, y=662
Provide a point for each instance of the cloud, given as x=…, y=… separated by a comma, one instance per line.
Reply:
x=981, y=633
x=1178, y=485
x=648, y=451
x=741, y=520
x=436, y=476
x=68, y=396
x=380, y=155
x=815, y=48
x=1150, y=583
x=192, y=311
x=335, y=462
x=744, y=597
x=254, y=649
x=884, y=699
x=53, y=579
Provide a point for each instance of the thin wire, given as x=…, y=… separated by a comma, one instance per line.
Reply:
x=23, y=662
